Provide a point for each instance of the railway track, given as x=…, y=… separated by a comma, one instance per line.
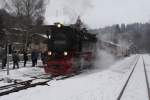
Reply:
x=18, y=85
x=21, y=85
x=146, y=76
x=132, y=84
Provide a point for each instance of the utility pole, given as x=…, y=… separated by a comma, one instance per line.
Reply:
x=27, y=36
x=7, y=53
x=7, y=79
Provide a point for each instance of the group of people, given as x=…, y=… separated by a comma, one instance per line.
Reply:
x=16, y=58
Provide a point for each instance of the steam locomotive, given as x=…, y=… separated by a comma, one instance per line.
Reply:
x=69, y=49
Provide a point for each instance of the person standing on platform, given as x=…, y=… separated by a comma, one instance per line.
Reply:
x=25, y=57
x=34, y=57
x=44, y=57
x=4, y=58
x=16, y=59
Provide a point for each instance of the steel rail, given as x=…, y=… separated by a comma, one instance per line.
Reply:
x=127, y=81
x=146, y=76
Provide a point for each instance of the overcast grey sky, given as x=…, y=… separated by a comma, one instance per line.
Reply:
x=98, y=13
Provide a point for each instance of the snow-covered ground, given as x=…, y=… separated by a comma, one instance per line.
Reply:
x=92, y=85
x=137, y=87
x=147, y=65
x=23, y=73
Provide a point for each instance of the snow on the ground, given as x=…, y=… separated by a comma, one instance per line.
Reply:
x=23, y=73
x=147, y=65
x=100, y=85
x=137, y=87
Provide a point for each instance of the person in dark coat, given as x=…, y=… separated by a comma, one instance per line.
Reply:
x=34, y=57
x=25, y=57
x=44, y=57
x=16, y=59
x=4, y=58
x=4, y=61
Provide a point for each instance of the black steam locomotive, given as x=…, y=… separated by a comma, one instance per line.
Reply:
x=69, y=49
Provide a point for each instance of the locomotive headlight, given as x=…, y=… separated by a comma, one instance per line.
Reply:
x=58, y=25
x=49, y=36
x=49, y=53
x=65, y=53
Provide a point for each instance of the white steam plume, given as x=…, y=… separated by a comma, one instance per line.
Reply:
x=67, y=11
x=104, y=59
x=75, y=8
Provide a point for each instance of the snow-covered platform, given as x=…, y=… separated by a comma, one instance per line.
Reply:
x=92, y=85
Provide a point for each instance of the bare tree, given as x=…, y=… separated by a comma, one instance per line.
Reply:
x=28, y=10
